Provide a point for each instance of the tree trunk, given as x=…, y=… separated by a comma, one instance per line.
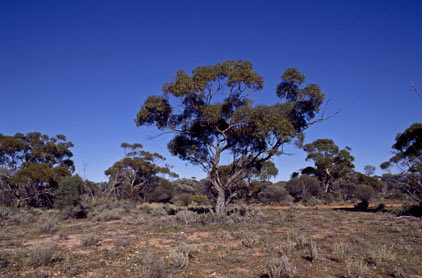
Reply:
x=220, y=205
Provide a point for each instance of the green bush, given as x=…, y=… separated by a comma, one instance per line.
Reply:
x=365, y=192
x=162, y=192
x=107, y=215
x=199, y=199
x=274, y=193
x=304, y=187
x=331, y=197
x=69, y=192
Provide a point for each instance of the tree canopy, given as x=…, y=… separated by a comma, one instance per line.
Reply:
x=211, y=112
x=331, y=163
x=407, y=157
x=35, y=164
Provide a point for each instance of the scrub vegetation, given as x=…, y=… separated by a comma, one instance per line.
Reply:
x=328, y=220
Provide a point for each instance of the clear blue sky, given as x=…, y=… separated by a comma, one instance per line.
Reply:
x=83, y=68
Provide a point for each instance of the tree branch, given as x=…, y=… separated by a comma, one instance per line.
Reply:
x=419, y=94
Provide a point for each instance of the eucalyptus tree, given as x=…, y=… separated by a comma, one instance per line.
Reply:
x=134, y=175
x=369, y=170
x=212, y=114
x=331, y=163
x=407, y=157
x=33, y=165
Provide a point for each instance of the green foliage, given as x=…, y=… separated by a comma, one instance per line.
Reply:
x=199, y=199
x=69, y=192
x=250, y=182
x=331, y=163
x=182, y=199
x=218, y=116
x=365, y=192
x=137, y=174
x=162, y=191
x=407, y=157
x=369, y=170
x=350, y=185
x=304, y=187
x=35, y=164
x=274, y=193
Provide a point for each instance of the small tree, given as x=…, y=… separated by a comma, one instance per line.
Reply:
x=133, y=176
x=35, y=164
x=217, y=117
x=331, y=163
x=407, y=158
x=69, y=192
x=369, y=170
x=304, y=187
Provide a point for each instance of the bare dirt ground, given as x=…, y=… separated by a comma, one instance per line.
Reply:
x=139, y=244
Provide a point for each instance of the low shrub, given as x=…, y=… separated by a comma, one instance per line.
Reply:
x=42, y=256
x=251, y=241
x=313, y=251
x=339, y=251
x=187, y=216
x=180, y=255
x=381, y=254
x=356, y=269
x=21, y=217
x=152, y=266
x=89, y=240
x=122, y=241
x=179, y=259
x=288, y=247
x=299, y=240
x=281, y=268
x=107, y=214
x=48, y=225
x=158, y=211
